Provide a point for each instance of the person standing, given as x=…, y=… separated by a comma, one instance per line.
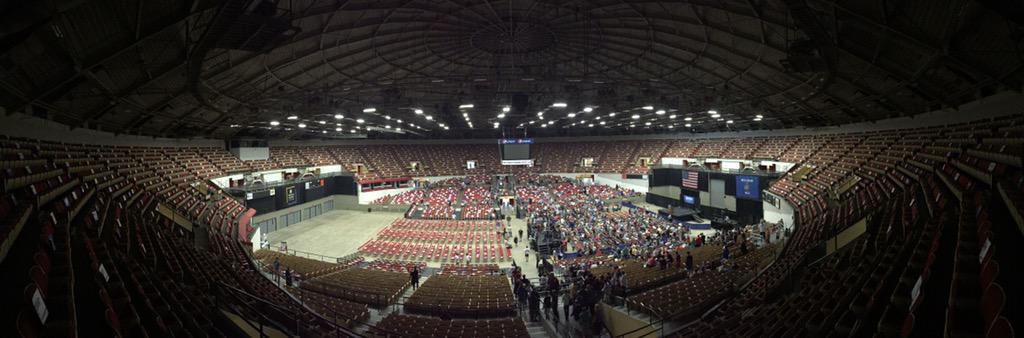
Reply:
x=288, y=276
x=534, y=305
x=566, y=302
x=689, y=262
x=414, y=275
x=277, y=268
x=526, y=252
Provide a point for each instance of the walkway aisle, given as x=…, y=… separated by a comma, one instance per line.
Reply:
x=377, y=315
x=529, y=268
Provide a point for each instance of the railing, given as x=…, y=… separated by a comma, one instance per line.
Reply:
x=301, y=179
x=305, y=254
x=262, y=308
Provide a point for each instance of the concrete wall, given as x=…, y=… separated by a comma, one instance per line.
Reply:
x=783, y=213
x=369, y=196
x=846, y=236
x=616, y=179
x=620, y=323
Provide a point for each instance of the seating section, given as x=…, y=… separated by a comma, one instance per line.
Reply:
x=397, y=325
x=463, y=296
x=86, y=232
x=470, y=270
x=438, y=241
x=703, y=289
x=367, y=286
x=302, y=268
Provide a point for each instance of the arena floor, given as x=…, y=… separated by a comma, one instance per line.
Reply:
x=336, y=233
x=339, y=233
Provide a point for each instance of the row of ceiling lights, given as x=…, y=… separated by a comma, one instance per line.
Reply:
x=713, y=114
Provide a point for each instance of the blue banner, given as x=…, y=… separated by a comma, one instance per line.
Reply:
x=748, y=187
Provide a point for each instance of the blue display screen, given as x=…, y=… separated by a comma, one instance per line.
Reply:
x=748, y=187
x=689, y=199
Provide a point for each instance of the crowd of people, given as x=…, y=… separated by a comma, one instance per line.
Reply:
x=587, y=221
x=572, y=298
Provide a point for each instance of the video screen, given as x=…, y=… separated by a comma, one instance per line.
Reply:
x=748, y=187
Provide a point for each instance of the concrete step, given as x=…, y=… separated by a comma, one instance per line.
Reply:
x=537, y=330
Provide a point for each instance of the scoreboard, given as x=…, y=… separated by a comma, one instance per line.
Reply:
x=516, y=151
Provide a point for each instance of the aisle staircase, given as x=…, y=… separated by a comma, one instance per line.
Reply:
x=376, y=315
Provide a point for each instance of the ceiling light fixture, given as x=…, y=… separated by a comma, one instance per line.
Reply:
x=648, y=107
x=419, y=111
x=712, y=112
x=466, y=106
x=588, y=109
x=635, y=116
x=688, y=119
x=501, y=116
x=688, y=125
x=559, y=105
x=506, y=109
x=571, y=115
x=338, y=116
x=360, y=121
x=293, y=117
x=302, y=125
x=274, y=123
x=369, y=110
x=660, y=112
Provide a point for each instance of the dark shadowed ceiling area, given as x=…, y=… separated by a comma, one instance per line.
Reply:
x=411, y=68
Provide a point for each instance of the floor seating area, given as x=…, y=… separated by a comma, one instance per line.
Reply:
x=438, y=241
x=480, y=296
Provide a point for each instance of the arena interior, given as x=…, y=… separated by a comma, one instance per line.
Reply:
x=511, y=168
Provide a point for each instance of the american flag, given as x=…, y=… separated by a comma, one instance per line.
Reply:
x=690, y=179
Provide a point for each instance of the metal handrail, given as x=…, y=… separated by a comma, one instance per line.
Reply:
x=304, y=254
x=285, y=312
